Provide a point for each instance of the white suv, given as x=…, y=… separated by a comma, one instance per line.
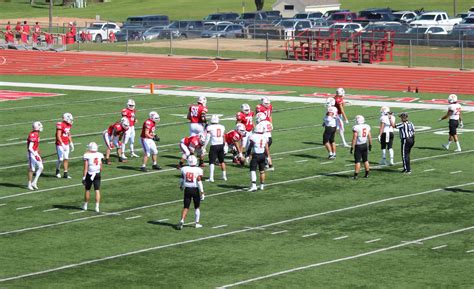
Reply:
x=100, y=30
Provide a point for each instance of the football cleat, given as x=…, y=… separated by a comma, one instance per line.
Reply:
x=58, y=175
x=391, y=163
x=457, y=150
x=66, y=176
x=224, y=178
x=383, y=162
x=253, y=188
x=262, y=187
x=121, y=160
x=35, y=186
x=84, y=206
x=197, y=226
x=134, y=155
x=156, y=167
x=124, y=156
x=30, y=187
x=347, y=146
x=143, y=169
x=445, y=146
x=211, y=180
x=180, y=225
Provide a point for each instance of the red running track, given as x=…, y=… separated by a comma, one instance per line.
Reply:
x=231, y=71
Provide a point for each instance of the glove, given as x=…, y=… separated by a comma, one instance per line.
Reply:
x=370, y=147
x=84, y=181
x=203, y=197
x=71, y=146
x=38, y=158
x=461, y=125
x=351, y=150
x=156, y=138
x=378, y=138
x=347, y=121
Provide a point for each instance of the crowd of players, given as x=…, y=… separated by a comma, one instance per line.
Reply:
x=248, y=142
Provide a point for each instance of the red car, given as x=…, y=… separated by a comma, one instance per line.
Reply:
x=343, y=17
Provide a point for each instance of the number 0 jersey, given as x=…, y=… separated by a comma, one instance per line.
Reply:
x=94, y=159
x=362, y=131
x=190, y=176
x=217, y=132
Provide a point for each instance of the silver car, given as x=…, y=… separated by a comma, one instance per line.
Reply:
x=224, y=30
x=152, y=33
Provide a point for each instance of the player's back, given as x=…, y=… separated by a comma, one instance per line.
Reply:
x=363, y=131
x=259, y=142
x=216, y=132
x=190, y=176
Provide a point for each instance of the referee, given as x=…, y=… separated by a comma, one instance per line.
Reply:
x=407, y=136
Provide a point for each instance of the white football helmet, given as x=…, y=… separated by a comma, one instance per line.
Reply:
x=240, y=128
x=330, y=101
x=245, y=108
x=192, y=161
x=202, y=100
x=202, y=138
x=67, y=117
x=154, y=116
x=359, y=119
x=452, y=98
x=93, y=147
x=265, y=101
x=125, y=123
x=214, y=118
x=38, y=126
x=332, y=109
x=384, y=110
x=131, y=103
x=340, y=91
x=260, y=117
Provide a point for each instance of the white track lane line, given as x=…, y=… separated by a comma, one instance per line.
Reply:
x=220, y=226
x=309, y=235
x=341, y=237
x=439, y=247
x=279, y=232
x=320, y=264
x=134, y=217
x=372, y=241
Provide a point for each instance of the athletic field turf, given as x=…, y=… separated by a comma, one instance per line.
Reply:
x=312, y=227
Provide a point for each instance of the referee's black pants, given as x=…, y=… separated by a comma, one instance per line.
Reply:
x=407, y=144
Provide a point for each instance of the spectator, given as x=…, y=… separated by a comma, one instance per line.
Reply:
x=18, y=31
x=36, y=32
x=25, y=37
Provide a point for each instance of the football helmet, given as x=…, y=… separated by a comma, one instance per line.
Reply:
x=260, y=117
x=340, y=91
x=384, y=110
x=359, y=119
x=452, y=98
x=93, y=147
x=38, y=126
x=202, y=100
x=330, y=102
x=240, y=128
x=202, y=138
x=332, y=109
x=154, y=116
x=124, y=122
x=214, y=118
x=245, y=108
x=131, y=103
x=265, y=101
x=67, y=117
x=192, y=161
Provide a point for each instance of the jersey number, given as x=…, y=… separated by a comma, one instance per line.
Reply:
x=96, y=161
x=219, y=133
x=194, y=111
x=364, y=132
x=189, y=177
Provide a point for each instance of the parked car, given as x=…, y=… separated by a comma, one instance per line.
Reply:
x=427, y=30
x=183, y=29
x=273, y=14
x=294, y=24
x=217, y=17
x=436, y=19
x=378, y=17
x=328, y=14
x=153, y=32
x=366, y=12
x=397, y=27
x=135, y=26
x=309, y=15
x=100, y=31
x=342, y=17
x=248, y=18
x=346, y=27
x=224, y=30
x=405, y=16
x=461, y=30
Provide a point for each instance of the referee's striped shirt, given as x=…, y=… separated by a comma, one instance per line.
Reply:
x=407, y=129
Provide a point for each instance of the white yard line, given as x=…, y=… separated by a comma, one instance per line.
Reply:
x=456, y=172
x=220, y=226
x=50, y=210
x=429, y=170
x=439, y=247
x=2, y=205
x=341, y=237
x=134, y=217
x=23, y=208
x=325, y=163
x=77, y=212
x=470, y=251
x=163, y=220
x=372, y=241
x=301, y=161
x=279, y=232
x=309, y=235
x=320, y=264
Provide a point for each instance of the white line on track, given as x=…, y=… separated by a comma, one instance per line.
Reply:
x=301, y=161
x=220, y=226
x=309, y=235
x=470, y=251
x=23, y=208
x=341, y=237
x=320, y=264
x=4, y=60
x=429, y=170
x=456, y=172
x=77, y=212
x=279, y=232
x=372, y=241
x=439, y=247
x=50, y=210
x=216, y=67
x=134, y=217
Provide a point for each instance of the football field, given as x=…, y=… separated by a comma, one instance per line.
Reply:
x=312, y=226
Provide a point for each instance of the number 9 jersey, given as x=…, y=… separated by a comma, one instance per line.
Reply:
x=189, y=176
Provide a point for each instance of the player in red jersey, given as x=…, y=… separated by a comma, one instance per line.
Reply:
x=34, y=159
x=148, y=138
x=64, y=144
x=129, y=112
x=197, y=116
x=245, y=117
x=339, y=104
x=233, y=143
x=113, y=136
x=192, y=145
x=266, y=108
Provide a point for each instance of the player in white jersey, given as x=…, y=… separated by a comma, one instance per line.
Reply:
x=216, y=136
x=191, y=183
x=329, y=124
x=455, y=121
x=387, y=123
x=267, y=127
x=258, y=149
x=361, y=145
x=91, y=174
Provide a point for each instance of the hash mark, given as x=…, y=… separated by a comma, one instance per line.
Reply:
x=371, y=241
x=309, y=235
x=22, y=208
x=340, y=238
x=279, y=232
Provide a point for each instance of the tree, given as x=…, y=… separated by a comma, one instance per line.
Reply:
x=259, y=4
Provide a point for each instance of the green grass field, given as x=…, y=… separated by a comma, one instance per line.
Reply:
x=312, y=227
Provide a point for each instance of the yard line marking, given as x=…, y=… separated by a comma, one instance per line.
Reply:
x=320, y=264
x=456, y=172
x=349, y=165
x=301, y=161
x=276, y=159
x=255, y=228
x=309, y=235
x=2, y=205
x=372, y=241
x=50, y=210
x=439, y=247
x=163, y=220
x=77, y=212
x=429, y=170
x=23, y=208
x=470, y=251
x=220, y=226
x=325, y=163
x=134, y=217
x=279, y=232
x=341, y=237
x=10, y=139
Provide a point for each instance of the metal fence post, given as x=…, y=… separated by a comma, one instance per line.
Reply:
x=462, y=55
x=410, y=55
x=126, y=43
x=171, y=44
x=360, y=50
x=266, y=48
x=217, y=46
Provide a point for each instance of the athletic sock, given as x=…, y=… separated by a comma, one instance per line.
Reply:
x=37, y=175
x=253, y=177
x=58, y=165
x=448, y=144
x=211, y=171
x=390, y=152
x=97, y=206
x=224, y=175
x=458, y=144
x=384, y=154
x=197, y=215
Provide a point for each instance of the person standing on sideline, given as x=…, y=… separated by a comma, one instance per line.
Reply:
x=455, y=121
x=91, y=174
x=191, y=183
x=36, y=32
x=339, y=104
x=329, y=124
x=407, y=137
x=64, y=144
x=361, y=145
x=34, y=159
x=129, y=136
x=26, y=32
x=387, y=123
x=216, y=136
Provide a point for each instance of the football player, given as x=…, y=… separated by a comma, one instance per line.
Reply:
x=91, y=174
x=245, y=117
x=329, y=124
x=455, y=121
x=148, y=138
x=233, y=142
x=129, y=137
x=35, y=163
x=339, y=104
x=266, y=108
x=193, y=145
x=215, y=135
x=361, y=145
x=64, y=144
x=387, y=123
x=191, y=183
x=258, y=149
x=261, y=121
x=197, y=116
x=113, y=136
